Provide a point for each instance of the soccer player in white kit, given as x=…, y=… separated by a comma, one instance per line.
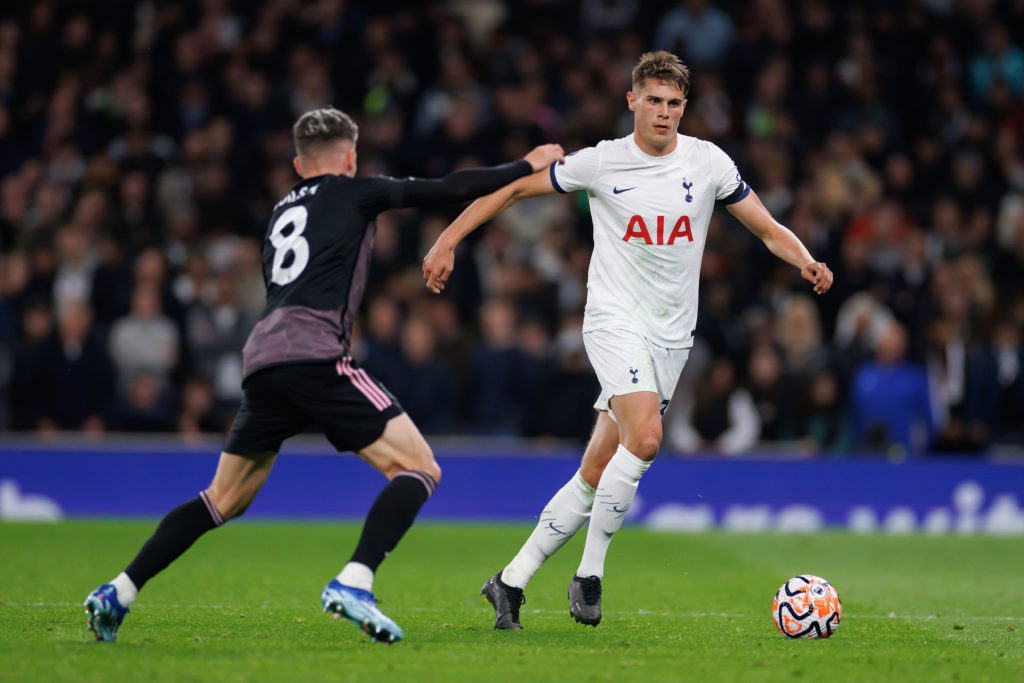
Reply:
x=651, y=197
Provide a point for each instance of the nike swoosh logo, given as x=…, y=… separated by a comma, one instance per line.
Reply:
x=621, y=512
x=616, y=190
x=551, y=525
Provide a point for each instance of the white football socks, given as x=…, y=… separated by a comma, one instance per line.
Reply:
x=615, y=493
x=563, y=516
x=357, y=575
x=126, y=590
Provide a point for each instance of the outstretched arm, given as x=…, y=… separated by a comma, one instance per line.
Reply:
x=472, y=183
x=439, y=261
x=781, y=241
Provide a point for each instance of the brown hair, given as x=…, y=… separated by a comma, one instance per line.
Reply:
x=663, y=66
x=318, y=127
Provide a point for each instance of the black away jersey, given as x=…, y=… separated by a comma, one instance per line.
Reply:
x=316, y=256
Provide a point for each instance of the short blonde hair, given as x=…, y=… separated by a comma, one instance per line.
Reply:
x=663, y=66
x=318, y=127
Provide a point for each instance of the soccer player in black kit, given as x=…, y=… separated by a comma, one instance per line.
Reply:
x=297, y=371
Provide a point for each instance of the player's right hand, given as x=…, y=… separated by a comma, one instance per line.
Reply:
x=438, y=265
x=542, y=156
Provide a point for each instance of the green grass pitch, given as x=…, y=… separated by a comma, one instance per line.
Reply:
x=243, y=605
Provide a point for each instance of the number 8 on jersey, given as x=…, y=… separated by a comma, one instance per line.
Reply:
x=293, y=243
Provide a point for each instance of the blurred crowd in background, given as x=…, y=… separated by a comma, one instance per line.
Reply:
x=143, y=144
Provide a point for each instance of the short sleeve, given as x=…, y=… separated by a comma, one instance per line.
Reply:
x=577, y=172
x=729, y=185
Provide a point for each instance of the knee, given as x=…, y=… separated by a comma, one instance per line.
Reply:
x=646, y=443
x=434, y=470
x=425, y=462
x=421, y=459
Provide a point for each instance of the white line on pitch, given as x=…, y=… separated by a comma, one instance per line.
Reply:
x=638, y=613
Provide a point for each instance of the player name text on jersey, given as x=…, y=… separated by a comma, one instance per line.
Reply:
x=293, y=195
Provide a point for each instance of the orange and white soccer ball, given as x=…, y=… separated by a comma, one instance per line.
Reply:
x=807, y=606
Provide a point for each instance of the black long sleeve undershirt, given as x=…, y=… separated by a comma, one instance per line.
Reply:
x=459, y=186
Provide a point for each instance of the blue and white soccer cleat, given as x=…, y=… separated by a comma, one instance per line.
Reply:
x=360, y=607
x=105, y=612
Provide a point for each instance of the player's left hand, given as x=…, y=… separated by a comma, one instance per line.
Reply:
x=819, y=275
x=438, y=265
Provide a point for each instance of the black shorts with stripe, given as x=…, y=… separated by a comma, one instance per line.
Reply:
x=342, y=400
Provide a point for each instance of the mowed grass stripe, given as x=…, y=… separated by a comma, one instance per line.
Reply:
x=243, y=605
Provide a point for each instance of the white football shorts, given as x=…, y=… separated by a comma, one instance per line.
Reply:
x=626, y=362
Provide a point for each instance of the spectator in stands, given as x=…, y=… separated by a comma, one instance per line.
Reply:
x=890, y=403
x=14, y=275
x=76, y=262
x=13, y=278
x=216, y=330
x=151, y=271
x=798, y=333
x=721, y=416
x=822, y=425
x=424, y=380
x=503, y=381
x=145, y=149
x=37, y=326
x=144, y=341
x=697, y=29
x=995, y=387
x=1001, y=62
x=137, y=222
x=946, y=362
x=142, y=407
x=198, y=412
x=381, y=350
x=909, y=289
x=72, y=380
x=775, y=408
x=566, y=405
x=111, y=282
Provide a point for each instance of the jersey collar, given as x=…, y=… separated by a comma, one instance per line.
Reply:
x=659, y=159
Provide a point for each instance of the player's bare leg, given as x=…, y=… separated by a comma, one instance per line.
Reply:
x=403, y=456
x=563, y=516
x=235, y=484
x=639, y=420
x=401, y=448
x=600, y=449
x=237, y=481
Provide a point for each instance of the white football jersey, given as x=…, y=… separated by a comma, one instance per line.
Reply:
x=651, y=218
